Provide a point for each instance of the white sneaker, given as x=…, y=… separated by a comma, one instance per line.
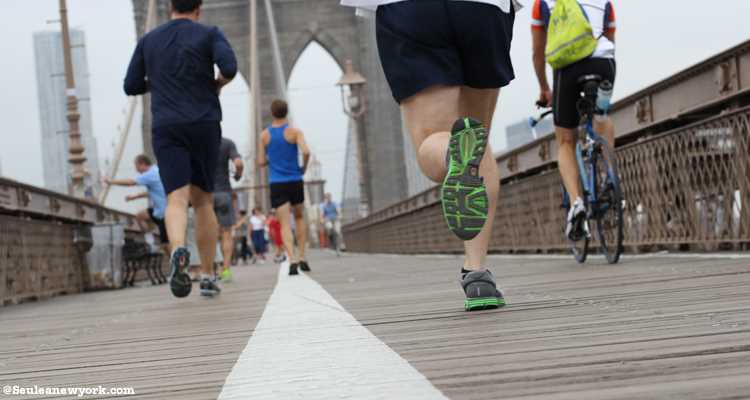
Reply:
x=577, y=227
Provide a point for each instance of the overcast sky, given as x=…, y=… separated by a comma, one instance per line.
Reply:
x=654, y=40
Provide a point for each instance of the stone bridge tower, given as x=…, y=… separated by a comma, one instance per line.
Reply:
x=345, y=36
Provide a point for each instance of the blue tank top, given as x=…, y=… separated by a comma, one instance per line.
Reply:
x=283, y=157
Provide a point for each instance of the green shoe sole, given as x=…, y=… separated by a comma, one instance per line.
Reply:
x=463, y=194
x=483, y=303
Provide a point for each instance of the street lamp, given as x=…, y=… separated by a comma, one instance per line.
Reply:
x=353, y=99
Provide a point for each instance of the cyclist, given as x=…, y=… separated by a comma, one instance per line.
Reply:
x=330, y=214
x=563, y=99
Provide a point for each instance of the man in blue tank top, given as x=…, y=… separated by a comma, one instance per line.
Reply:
x=281, y=146
x=175, y=63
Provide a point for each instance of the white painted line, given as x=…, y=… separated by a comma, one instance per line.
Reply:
x=307, y=346
x=660, y=254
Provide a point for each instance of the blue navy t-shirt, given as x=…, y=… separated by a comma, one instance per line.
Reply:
x=175, y=62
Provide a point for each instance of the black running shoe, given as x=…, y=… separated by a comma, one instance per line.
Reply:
x=481, y=291
x=293, y=269
x=179, y=280
x=209, y=288
x=303, y=265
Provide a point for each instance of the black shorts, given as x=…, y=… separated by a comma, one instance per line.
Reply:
x=187, y=154
x=566, y=90
x=287, y=192
x=424, y=43
x=160, y=224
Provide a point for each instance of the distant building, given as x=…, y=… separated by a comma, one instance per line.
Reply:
x=520, y=133
x=50, y=76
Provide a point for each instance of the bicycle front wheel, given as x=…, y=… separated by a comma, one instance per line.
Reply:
x=607, y=211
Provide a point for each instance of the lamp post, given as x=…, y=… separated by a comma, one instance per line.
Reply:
x=75, y=148
x=353, y=99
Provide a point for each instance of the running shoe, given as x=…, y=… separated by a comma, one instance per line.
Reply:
x=577, y=227
x=227, y=275
x=279, y=259
x=179, y=281
x=303, y=265
x=209, y=288
x=463, y=194
x=481, y=291
x=293, y=269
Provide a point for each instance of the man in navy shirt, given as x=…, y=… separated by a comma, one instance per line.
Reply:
x=175, y=63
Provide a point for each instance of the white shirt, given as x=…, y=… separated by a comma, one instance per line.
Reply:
x=373, y=4
x=257, y=223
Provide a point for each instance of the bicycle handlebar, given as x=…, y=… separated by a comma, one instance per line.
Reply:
x=533, y=122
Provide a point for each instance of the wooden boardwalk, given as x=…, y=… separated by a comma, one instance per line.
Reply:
x=653, y=327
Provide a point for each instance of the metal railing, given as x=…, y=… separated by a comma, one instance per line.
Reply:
x=685, y=184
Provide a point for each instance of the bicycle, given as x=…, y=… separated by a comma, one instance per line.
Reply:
x=597, y=166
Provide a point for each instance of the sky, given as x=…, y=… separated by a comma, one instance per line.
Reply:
x=654, y=40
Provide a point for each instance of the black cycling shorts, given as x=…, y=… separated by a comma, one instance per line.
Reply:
x=567, y=90
x=424, y=43
x=287, y=192
x=159, y=224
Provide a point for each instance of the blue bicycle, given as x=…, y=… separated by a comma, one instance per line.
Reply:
x=600, y=180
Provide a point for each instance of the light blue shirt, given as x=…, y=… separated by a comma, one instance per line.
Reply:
x=330, y=211
x=156, y=195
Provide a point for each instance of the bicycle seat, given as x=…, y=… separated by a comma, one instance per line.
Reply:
x=589, y=78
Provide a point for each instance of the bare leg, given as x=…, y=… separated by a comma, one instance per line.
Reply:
x=566, y=161
x=429, y=117
x=176, y=216
x=299, y=219
x=206, y=228
x=143, y=220
x=480, y=104
x=284, y=214
x=227, y=246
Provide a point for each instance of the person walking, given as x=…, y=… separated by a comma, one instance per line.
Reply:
x=258, y=233
x=280, y=153
x=148, y=176
x=175, y=63
x=223, y=201
x=241, y=230
x=330, y=219
x=446, y=75
x=274, y=233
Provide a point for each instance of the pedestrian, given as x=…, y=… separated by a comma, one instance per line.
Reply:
x=446, y=75
x=175, y=64
x=241, y=235
x=148, y=176
x=223, y=201
x=274, y=232
x=281, y=147
x=258, y=233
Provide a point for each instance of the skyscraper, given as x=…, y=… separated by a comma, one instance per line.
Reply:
x=520, y=133
x=50, y=77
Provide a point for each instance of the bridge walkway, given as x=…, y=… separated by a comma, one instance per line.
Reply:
x=386, y=326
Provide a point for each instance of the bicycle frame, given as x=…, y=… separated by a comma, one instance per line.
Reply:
x=583, y=152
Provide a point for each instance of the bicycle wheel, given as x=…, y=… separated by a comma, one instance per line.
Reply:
x=607, y=212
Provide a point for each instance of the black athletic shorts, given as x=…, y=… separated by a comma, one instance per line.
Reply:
x=187, y=154
x=159, y=223
x=566, y=90
x=287, y=192
x=424, y=43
